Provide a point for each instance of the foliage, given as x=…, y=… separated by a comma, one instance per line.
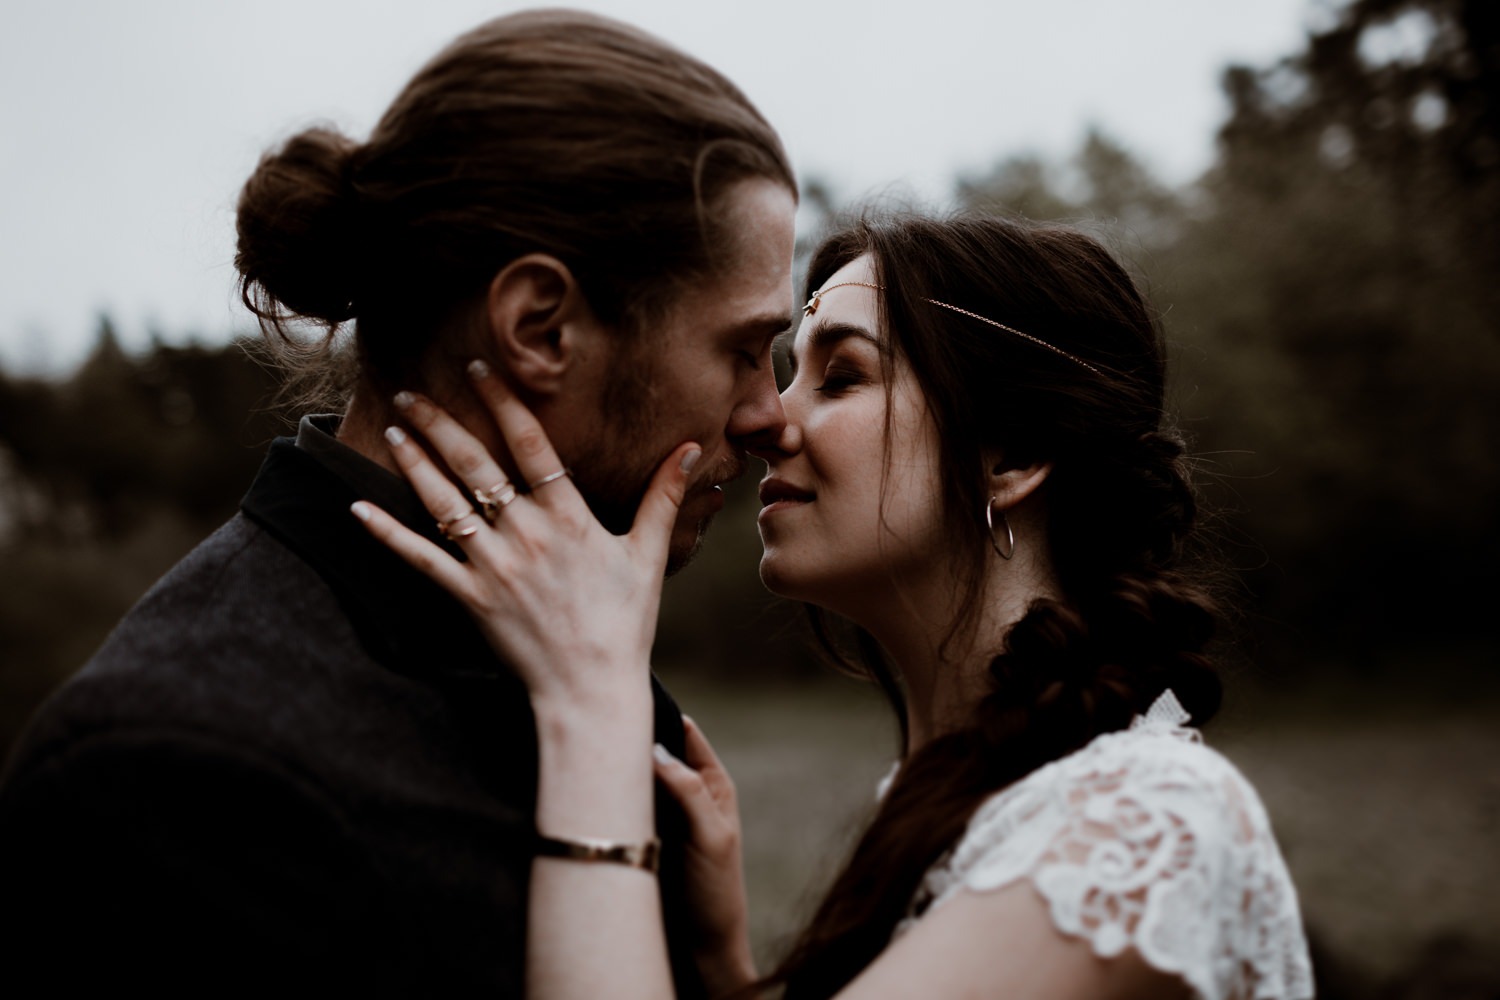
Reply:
x=177, y=430
x=106, y=478
x=1339, y=285
x=1328, y=289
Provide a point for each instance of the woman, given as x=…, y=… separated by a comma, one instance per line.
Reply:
x=976, y=471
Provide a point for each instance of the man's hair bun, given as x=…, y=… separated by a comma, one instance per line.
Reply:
x=297, y=228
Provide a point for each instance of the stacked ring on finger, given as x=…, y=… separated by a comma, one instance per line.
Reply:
x=495, y=499
x=551, y=477
x=447, y=530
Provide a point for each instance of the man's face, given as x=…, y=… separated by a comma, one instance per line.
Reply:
x=703, y=375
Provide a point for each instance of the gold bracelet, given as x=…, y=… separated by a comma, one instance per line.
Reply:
x=647, y=855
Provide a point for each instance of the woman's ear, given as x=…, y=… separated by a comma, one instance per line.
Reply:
x=537, y=317
x=1011, y=483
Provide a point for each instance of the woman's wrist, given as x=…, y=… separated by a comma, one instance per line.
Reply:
x=605, y=693
x=595, y=769
x=599, y=715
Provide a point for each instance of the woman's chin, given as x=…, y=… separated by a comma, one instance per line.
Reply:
x=780, y=578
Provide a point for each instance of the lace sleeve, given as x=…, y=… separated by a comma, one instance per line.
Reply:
x=1146, y=839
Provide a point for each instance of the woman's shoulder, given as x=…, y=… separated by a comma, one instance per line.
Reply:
x=1145, y=838
x=1156, y=769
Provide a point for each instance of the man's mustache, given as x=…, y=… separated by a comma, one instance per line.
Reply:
x=732, y=467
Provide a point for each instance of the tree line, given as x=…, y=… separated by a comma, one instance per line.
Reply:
x=1328, y=287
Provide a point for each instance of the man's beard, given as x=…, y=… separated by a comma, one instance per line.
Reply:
x=613, y=470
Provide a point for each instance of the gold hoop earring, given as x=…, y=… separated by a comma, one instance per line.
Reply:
x=1010, y=536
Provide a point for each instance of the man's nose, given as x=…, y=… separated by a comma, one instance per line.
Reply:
x=785, y=440
x=759, y=420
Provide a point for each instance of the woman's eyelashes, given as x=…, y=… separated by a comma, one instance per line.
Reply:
x=838, y=378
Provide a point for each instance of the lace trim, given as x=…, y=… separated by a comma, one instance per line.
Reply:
x=1145, y=838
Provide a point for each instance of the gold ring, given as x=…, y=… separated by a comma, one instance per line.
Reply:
x=551, y=478
x=492, y=500
x=462, y=532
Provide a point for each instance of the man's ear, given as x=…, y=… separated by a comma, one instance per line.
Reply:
x=537, y=319
x=1011, y=483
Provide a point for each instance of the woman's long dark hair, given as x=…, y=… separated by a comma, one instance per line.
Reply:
x=1132, y=620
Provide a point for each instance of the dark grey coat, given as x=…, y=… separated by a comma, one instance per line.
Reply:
x=295, y=765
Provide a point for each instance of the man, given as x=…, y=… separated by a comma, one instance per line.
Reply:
x=296, y=763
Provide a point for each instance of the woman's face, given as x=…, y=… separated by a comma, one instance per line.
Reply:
x=845, y=512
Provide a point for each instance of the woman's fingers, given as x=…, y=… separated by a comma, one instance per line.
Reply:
x=699, y=752
x=438, y=494
x=690, y=791
x=460, y=450
x=701, y=757
x=657, y=514
x=421, y=554
x=530, y=448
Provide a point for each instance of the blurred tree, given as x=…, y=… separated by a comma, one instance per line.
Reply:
x=178, y=429
x=108, y=477
x=1339, y=284
x=1103, y=184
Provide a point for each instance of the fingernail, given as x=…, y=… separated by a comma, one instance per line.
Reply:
x=478, y=369
x=690, y=459
x=404, y=400
x=662, y=754
x=395, y=435
x=361, y=510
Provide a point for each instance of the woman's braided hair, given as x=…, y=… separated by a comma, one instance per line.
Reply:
x=1134, y=616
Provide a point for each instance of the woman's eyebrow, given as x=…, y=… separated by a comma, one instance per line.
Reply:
x=825, y=335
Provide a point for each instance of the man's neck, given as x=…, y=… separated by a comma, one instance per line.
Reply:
x=363, y=428
x=368, y=415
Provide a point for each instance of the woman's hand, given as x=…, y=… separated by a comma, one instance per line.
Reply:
x=715, y=872
x=570, y=606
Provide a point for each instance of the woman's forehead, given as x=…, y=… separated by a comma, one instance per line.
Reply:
x=847, y=298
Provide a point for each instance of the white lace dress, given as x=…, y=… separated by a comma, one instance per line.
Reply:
x=1144, y=838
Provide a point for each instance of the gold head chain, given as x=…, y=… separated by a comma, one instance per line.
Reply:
x=812, y=307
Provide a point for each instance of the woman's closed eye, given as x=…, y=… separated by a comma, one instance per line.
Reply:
x=840, y=378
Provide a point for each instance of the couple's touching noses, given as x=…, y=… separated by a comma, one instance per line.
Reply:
x=393, y=731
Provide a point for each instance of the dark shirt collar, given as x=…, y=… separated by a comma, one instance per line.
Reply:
x=302, y=497
x=316, y=435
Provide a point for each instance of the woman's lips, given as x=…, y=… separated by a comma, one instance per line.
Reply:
x=779, y=495
x=778, y=506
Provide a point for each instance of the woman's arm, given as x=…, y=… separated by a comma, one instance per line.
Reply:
x=1002, y=945
x=573, y=609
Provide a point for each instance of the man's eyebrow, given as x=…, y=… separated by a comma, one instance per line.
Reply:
x=769, y=325
x=825, y=335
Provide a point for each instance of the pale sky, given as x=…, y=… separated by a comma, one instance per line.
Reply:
x=127, y=128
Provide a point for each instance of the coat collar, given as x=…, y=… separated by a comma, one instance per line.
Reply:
x=405, y=621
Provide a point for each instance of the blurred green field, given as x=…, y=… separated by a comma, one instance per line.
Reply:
x=1385, y=807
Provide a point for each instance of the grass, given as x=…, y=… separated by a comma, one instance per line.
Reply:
x=1387, y=816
